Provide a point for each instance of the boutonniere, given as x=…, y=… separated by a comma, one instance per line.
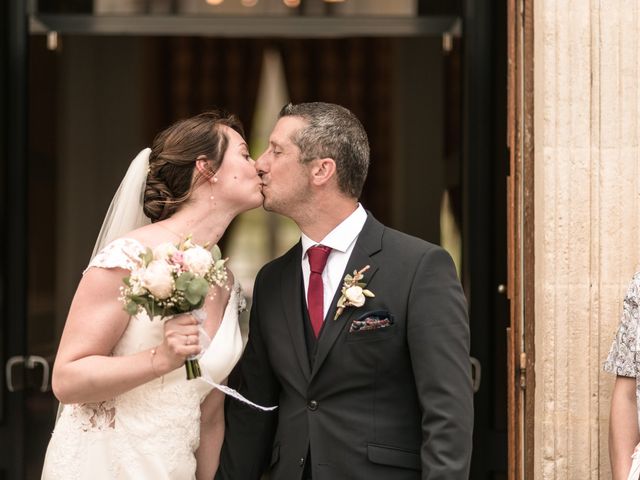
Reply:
x=354, y=292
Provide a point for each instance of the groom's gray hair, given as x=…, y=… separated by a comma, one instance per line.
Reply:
x=333, y=132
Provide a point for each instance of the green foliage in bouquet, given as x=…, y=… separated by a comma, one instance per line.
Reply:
x=171, y=280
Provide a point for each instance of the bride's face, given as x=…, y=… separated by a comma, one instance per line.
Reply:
x=238, y=182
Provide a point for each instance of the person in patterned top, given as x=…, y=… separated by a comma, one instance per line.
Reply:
x=624, y=434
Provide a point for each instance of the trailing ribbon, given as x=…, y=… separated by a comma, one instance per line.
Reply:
x=205, y=341
x=232, y=393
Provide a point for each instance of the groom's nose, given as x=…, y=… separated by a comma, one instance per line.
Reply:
x=260, y=165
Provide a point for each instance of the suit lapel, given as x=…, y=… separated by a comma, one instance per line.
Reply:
x=292, y=305
x=369, y=242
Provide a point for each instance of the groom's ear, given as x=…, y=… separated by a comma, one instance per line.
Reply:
x=322, y=170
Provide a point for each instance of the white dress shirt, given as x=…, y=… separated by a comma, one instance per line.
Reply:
x=341, y=239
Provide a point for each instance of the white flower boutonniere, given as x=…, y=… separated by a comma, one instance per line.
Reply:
x=354, y=292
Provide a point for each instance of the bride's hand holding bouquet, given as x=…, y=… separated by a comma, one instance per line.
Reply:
x=168, y=282
x=180, y=346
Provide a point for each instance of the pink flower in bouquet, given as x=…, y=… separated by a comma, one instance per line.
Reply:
x=174, y=279
x=178, y=260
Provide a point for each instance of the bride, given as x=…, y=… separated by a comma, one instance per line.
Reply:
x=128, y=411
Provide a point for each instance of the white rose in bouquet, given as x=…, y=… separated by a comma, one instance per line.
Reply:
x=197, y=260
x=158, y=279
x=355, y=296
x=173, y=279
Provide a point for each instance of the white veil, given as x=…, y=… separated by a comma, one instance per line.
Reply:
x=125, y=212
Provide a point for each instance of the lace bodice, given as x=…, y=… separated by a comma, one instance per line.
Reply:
x=151, y=431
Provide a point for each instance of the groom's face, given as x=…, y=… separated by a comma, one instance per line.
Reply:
x=285, y=180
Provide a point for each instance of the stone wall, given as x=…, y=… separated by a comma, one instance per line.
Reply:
x=587, y=202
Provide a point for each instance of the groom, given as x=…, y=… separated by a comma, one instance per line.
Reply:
x=379, y=388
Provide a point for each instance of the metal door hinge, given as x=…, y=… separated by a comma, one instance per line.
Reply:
x=523, y=370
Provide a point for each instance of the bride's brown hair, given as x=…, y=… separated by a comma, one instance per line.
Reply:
x=173, y=157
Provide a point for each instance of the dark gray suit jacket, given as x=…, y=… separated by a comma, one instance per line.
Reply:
x=388, y=403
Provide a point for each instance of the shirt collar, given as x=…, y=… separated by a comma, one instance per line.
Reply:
x=341, y=237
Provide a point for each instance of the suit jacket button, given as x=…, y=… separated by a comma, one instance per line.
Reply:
x=301, y=462
x=312, y=405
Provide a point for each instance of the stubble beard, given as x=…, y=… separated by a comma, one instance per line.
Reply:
x=285, y=206
x=271, y=205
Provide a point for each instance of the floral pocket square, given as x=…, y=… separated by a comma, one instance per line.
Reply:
x=372, y=321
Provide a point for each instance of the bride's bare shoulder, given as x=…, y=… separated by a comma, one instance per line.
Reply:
x=150, y=235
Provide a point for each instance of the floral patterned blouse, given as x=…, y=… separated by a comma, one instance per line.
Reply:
x=624, y=356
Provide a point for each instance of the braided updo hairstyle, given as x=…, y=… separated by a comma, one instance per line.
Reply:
x=173, y=157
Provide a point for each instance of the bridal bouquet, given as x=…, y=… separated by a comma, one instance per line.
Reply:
x=173, y=279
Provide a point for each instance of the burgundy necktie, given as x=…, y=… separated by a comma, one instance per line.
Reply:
x=315, y=294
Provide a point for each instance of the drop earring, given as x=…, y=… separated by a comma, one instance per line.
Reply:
x=213, y=179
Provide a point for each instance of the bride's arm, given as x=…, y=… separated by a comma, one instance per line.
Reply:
x=211, y=435
x=84, y=369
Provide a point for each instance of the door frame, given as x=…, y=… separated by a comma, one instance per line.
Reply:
x=520, y=238
x=519, y=228
x=13, y=242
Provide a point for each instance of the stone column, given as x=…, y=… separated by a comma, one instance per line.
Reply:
x=587, y=202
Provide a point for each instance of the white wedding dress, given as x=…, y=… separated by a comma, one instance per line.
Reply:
x=152, y=431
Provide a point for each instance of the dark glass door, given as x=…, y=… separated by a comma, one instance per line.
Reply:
x=27, y=335
x=13, y=238
x=485, y=163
